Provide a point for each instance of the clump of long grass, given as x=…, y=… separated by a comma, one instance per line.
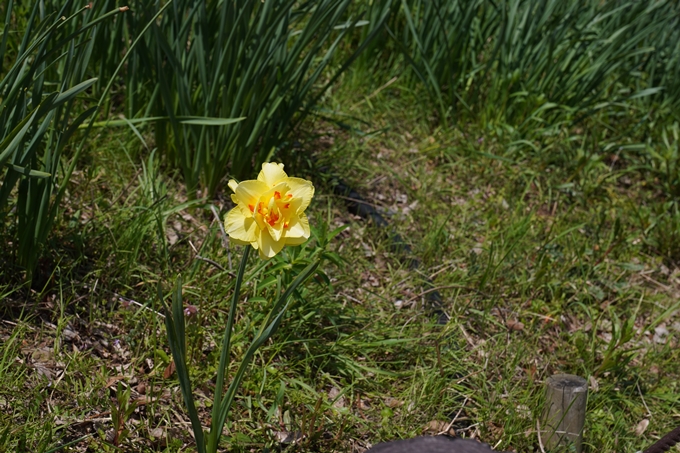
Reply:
x=40, y=112
x=227, y=82
x=531, y=63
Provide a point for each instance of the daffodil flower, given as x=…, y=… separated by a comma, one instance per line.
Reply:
x=269, y=212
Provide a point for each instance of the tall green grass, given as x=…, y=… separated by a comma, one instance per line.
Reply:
x=40, y=112
x=208, y=64
x=530, y=63
x=660, y=68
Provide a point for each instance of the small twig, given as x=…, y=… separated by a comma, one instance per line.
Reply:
x=209, y=261
x=448, y=428
x=225, y=238
x=649, y=413
x=445, y=267
x=138, y=304
x=651, y=280
x=350, y=298
x=100, y=415
x=543, y=317
x=474, y=425
x=22, y=324
x=408, y=321
x=467, y=336
x=375, y=93
x=465, y=377
x=216, y=264
x=375, y=180
x=538, y=433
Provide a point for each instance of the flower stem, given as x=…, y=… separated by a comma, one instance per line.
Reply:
x=268, y=328
x=218, y=419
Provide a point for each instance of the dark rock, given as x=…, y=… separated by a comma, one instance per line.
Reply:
x=431, y=444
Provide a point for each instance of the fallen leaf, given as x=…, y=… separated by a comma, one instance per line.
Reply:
x=44, y=371
x=58, y=421
x=660, y=334
x=641, y=427
x=338, y=402
x=286, y=437
x=42, y=355
x=364, y=405
x=515, y=325
x=144, y=399
x=169, y=370
x=113, y=380
x=439, y=427
x=393, y=402
x=70, y=335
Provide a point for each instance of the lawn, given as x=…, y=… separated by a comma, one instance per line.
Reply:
x=554, y=251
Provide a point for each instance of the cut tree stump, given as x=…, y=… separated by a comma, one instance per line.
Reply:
x=565, y=413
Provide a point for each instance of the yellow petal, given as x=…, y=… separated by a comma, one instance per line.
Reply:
x=249, y=192
x=239, y=227
x=268, y=246
x=295, y=241
x=272, y=174
x=275, y=231
x=245, y=210
x=232, y=185
x=281, y=187
x=298, y=228
x=302, y=191
x=261, y=224
x=237, y=242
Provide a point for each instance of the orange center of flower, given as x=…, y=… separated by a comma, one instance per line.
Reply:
x=270, y=210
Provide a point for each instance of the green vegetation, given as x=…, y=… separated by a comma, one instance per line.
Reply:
x=37, y=123
x=526, y=151
x=537, y=65
x=205, y=62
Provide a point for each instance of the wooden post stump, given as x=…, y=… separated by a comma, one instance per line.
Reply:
x=565, y=413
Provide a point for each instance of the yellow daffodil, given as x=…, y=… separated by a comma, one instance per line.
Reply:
x=269, y=211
